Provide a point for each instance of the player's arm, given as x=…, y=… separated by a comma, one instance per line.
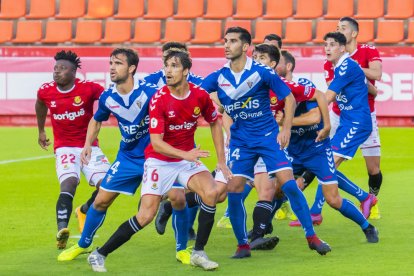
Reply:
x=284, y=135
x=227, y=122
x=311, y=117
x=372, y=89
x=160, y=146
x=41, y=113
x=215, y=99
x=92, y=133
x=217, y=135
x=374, y=70
x=323, y=107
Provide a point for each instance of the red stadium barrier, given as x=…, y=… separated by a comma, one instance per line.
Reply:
x=23, y=70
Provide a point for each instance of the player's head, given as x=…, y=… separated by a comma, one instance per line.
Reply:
x=273, y=39
x=64, y=71
x=123, y=64
x=173, y=45
x=236, y=42
x=286, y=64
x=334, y=46
x=177, y=65
x=349, y=27
x=267, y=54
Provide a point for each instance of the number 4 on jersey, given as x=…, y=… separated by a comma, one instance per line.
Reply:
x=114, y=167
x=236, y=153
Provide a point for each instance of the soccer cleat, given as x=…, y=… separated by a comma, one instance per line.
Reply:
x=268, y=230
x=81, y=218
x=97, y=261
x=319, y=245
x=243, y=251
x=224, y=222
x=282, y=212
x=371, y=233
x=62, y=237
x=375, y=213
x=367, y=204
x=199, y=258
x=184, y=256
x=192, y=236
x=264, y=243
x=316, y=220
x=161, y=219
x=72, y=252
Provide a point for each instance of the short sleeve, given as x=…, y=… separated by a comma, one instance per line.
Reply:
x=97, y=90
x=302, y=93
x=275, y=83
x=210, y=83
x=156, y=113
x=208, y=111
x=373, y=54
x=103, y=112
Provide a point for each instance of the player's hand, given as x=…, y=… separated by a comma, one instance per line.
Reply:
x=283, y=138
x=86, y=155
x=323, y=134
x=225, y=170
x=300, y=181
x=279, y=118
x=196, y=153
x=43, y=141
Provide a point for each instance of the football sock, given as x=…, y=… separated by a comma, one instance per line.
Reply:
x=192, y=199
x=276, y=203
x=179, y=224
x=121, y=236
x=63, y=209
x=94, y=220
x=246, y=192
x=261, y=214
x=346, y=185
x=319, y=201
x=192, y=214
x=349, y=210
x=308, y=177
x=205, y=224
x=299, y=206
x=85, y=207
x=237, y=214
x=374, y=183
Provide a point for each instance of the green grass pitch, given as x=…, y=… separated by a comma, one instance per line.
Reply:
x=29, y=191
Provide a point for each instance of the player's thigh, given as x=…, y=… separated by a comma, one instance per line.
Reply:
x=372, y=146
x=148, y=208
x=322, y=164
x=177, y=198
x=197, y=178
x=159, y=176
x=97, y=167
x=265, y=186
x=104, y=199
x=68, y=163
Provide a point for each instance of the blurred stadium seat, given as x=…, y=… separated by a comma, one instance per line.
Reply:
x=247, y=24
x=399, y=9
x=28, y=31
x=71, y=9
x=130, y=9
x=117, y=31
x=147, y=31
x=12, y=8
x=366, y=31
x=339, y=8
x=40, y=9
x=159, y=9
x=276, y=9
x=323, y=27
x=207, y=31
x=265, y=27
x=219, y=9
x=171, y=33
x=6, y=31
x=308, y=9
x=88, y=31
x=100, y=8
x=248, y=9
x=58, y=31
x=410, y=37
x=390, y=31
x=369, y=9
x=298, y=31
x=187, y=9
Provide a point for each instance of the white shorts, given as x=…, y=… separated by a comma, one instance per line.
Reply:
x=260, y=167
x=159, y=176
x=68, y=164
x=372, y=146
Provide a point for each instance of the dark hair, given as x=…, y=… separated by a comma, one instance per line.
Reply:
x=337, y=36
x=274, y=37
x=69, y=56
x=271, y=50
x=245, y=36
x=131, y=55
x=351, y=21
x=184, y=58
x=174, y=44
x=289, y=58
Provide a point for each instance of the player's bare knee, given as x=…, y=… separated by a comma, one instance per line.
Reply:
x=145, y=216
x=222, y=192
x=69, y=185
x=210, y=195
x=178, y=202
x=334, y=201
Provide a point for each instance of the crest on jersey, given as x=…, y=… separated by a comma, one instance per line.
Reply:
x=77, y=101
x=196, y=111
x=154, y=122
x=273, y=100
x=154, y=186
x=52, y=104
x=139, y=104
x=250, y=84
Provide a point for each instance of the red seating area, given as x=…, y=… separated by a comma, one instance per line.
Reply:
x=102, y=22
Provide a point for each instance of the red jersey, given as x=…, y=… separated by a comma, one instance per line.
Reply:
x=70, y=111
x=177, y=118
x=300, y=92
x=363, y=55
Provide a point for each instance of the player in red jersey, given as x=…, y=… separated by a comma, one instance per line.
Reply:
x=70, y=102
x=171, y=156
x=368, y=58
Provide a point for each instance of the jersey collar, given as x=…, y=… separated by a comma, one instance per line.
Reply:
x=344, y=56
x=136, y=85
x=247, y=66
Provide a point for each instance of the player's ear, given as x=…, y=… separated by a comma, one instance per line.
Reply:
x=131, y=69
x=186, y=72
x=273, y=64
x=246, y=47
x=354, y=34
x=289, y=66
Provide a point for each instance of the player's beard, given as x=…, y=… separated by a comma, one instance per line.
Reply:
x=119, y=79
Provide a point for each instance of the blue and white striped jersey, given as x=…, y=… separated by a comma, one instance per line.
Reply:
x=158, y=78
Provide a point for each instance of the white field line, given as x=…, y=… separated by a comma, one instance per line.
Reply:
x=2, y=162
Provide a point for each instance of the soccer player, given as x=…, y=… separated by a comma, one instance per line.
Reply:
x=349, y=88
x=128, y=101
x=171, y=157
x=367, y=56
x=243, y=89
x=273, y=39
x=317, y=156
x=70, y=102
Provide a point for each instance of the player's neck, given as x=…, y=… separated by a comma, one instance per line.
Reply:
x=66, y=87
x=237, y=65
x=125, y=87
x=289, y=76
x=180, y=90
x=351, y=46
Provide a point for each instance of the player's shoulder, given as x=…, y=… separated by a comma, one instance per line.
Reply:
x=328, y=65
x=47, y=86
x=87, y=83
x=154, y=75
x=366, y=47
x=288, y=82
x=305, y=82
x=198, y=90
x=260, y=68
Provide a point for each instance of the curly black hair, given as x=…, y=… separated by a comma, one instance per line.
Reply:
x=69, y=56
